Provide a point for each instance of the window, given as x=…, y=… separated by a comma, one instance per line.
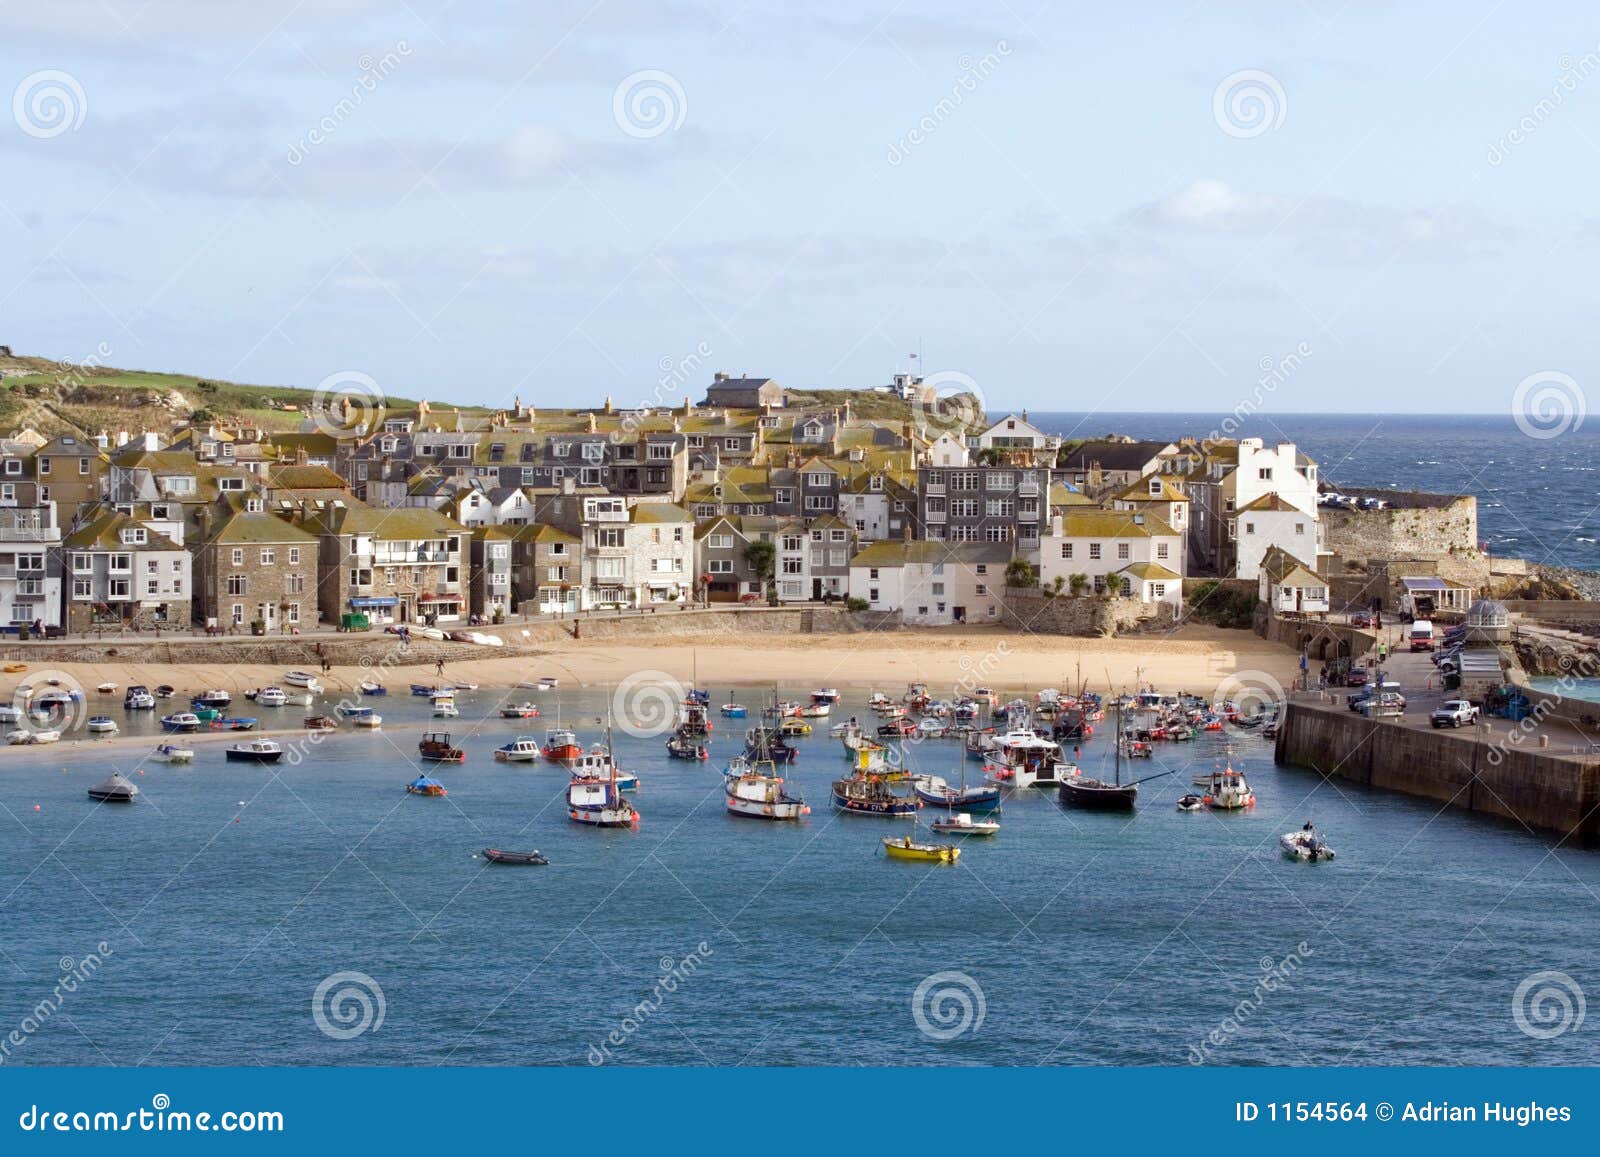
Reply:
x=1249, y=528
x=152, y=587
x=720, y=541
x=82, y=588
x=982, y=590
x=294, y=556
x=238, y=584
x=44, y=467
x=872, y=594
x=1265, y=473
x=1299, y=528
x=1127, y=587
x=121, y=589
x=999, y=508
x=1094, y=550
x=730, y=444
x=238, y=614
x=1066, y=550
x=610, y=537
x=937, y=589
x=152, y=566
x=121, y=563
x=1099, y=584
x=963, y=480
x=83, y=465
x=82, y=564
x=793, y=566
x=296, y=584
x=1158, y=590
x=783, y=496
x=594, y=451
x=658, y=452
x=222, y=483
x=720, y=566
x=1161, y=550
x=1122, y=551
x=558, y=549
x=792, y=542
x=964, y=507
x=460, y=451
x=268, y=556
x=293, y=613
x=13, y=465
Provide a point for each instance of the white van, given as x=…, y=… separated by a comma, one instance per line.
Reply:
x=1422, y=635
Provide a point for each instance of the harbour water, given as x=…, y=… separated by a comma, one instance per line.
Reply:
x=229, y=893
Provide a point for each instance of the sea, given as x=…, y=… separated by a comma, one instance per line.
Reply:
x=316, y=914
x=1538, y=497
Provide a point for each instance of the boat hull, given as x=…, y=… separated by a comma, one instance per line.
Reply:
x=1092, y=795
x=881, y=808
x=253, y=756
x=920, y=853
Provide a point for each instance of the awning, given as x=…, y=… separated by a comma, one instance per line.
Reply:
x=1423, y=584
x=387, y=601
x=440, y=599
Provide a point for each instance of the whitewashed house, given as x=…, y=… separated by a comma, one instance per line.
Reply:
x=639, y=557
x=1127, y=552
x=932, y=583
x=1289, y=586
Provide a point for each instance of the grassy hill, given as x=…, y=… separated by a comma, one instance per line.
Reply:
x=57, y=397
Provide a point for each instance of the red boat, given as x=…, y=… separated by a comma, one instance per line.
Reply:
x=435, y=747
x=561, y=746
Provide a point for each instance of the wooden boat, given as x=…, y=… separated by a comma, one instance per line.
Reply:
x=171, y=753
x=962, y=824
x=1305, y=845
x=778, y=749
x=373, y=687
x=595, y=799
x=517, y=711
x=864, y=794
x=363, y=717
x=183, y=722
x=522, y=749
x=1080, y=791
x=138, y=698
x=107, y=688
x=426, y=785
x=1228, y=791
x=256, y=751
x=794, y=726
x=320, y=723
x=562, y=746
x=933, y=789
x=13, y=668
x=117, y=789
x=756, y=790
x=303, y=679
x=102, y=725
x=905, y=848
x=680, y=746
x=525, y=859
x=435, y=747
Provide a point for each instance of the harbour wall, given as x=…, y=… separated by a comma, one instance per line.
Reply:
x=1320, y=641
x=1470, y=770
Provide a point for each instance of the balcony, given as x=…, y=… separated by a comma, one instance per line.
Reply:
x=934, y=488
x=935, y=516
x=1028, y=489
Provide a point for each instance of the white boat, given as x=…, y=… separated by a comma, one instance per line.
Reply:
x=519, y=711
x=171, y=753
x=962, y=824
x=933, y=728
x=373, y=687
x=256, y=751
x=1023, y=759
x=364, y=717
x=181, y=721
x=1228, y=791
x=24, y=737
x=271, y=697
x=138, y=698
x=445, y=709
x=825, y=695
x=10, y=714
x=756, y=790
x=102, y=725
x=214, y=698
x=522, y=749
x=107, y=688
x=303, y=679
x=118, y=789
x=1305, y=845
x=594, y=796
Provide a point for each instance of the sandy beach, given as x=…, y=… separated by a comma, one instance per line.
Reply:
x=1197, y=659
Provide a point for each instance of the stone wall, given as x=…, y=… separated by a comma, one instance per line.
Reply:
x=1528, y=786
x=1411, y=526
x=1319, y=640
x=1089, y=615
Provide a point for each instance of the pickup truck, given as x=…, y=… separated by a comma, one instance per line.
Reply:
x=1453, y=713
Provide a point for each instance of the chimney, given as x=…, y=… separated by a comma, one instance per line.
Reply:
x=591, y=422
x=688, y=406
x=608, y=404
x=719, y=377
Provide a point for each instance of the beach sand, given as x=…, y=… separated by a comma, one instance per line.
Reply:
x=1197, y=659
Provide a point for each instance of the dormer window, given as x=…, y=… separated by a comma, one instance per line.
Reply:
x=254, y=506
x=387, y=445
x=230, y=483
x=135, y=536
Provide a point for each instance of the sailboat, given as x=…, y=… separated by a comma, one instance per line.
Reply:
x=1096, y=795
x=937, y=791
x=596, y=799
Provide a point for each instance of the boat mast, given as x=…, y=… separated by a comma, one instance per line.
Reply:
x=1118, y=764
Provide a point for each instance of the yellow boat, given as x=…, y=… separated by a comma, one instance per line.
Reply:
x=904, y=848
x=13, y=668
x=794, y=726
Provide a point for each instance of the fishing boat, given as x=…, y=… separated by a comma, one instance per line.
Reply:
x=1080, y=791
x=867, y=794
x=562, y=746
x=362, y=717
x=435, y=746
x=24, y=737
x=692, y=718
x=445, y=709
x=681, y=746
x=877, y=700
x=101, y=725
x=794, y=726
x=320, y=723
x=933, y=728
x=256, y=751
x=373, y=687
x=734, y=711
x=523, y=859
x=1229, y=791
x=935, y=790
x=426, y=785
x=596, y=763
x=1305, y=845
x=171, y=753
x=898, y=726
x=517, y=711
x=962, y=824
x=778, y=749
x=302, y=679
x=138, y=698
x=825, y=695
x=818, y=708
x=978, y=744
x=522, y=749
x=214, y=698
x=1025, y=759
x=756, y=790
x=593, y=794
x=117, y=789
x=905, y=848
x=181, y=721
x=1191, y=802
x=271, y=697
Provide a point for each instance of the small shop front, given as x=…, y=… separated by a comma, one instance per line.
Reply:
x=380, y=610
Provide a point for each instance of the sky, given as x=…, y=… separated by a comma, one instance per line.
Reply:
x=1386, y=207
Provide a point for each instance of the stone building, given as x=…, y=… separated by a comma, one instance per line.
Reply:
x=256, y=567
x=123, y=574
x=396, y=566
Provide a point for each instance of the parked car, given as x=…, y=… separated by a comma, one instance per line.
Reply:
x=1356, y=677
x=1361, y=619
x=1453, y=713
x=1386, y=703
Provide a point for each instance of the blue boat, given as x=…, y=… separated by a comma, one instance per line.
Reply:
x=247, y=723
x=734, y=711
x=426, y=785
x=933, y=790
x=424, y=691
x=373, y=687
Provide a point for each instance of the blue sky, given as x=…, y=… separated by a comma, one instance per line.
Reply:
x=1059, y=203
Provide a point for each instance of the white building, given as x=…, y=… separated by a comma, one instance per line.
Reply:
x=1014, y=433
x=948, y=450
x=1125, y=551
x=639, y=557
x=1269, y=499
x=1288, y=586
x=30, y=566
x=932, y=583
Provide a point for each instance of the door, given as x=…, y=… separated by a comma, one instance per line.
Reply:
x=816, y=590
x=268, y=614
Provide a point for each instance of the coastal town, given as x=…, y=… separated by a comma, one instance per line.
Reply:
x=746, y=495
